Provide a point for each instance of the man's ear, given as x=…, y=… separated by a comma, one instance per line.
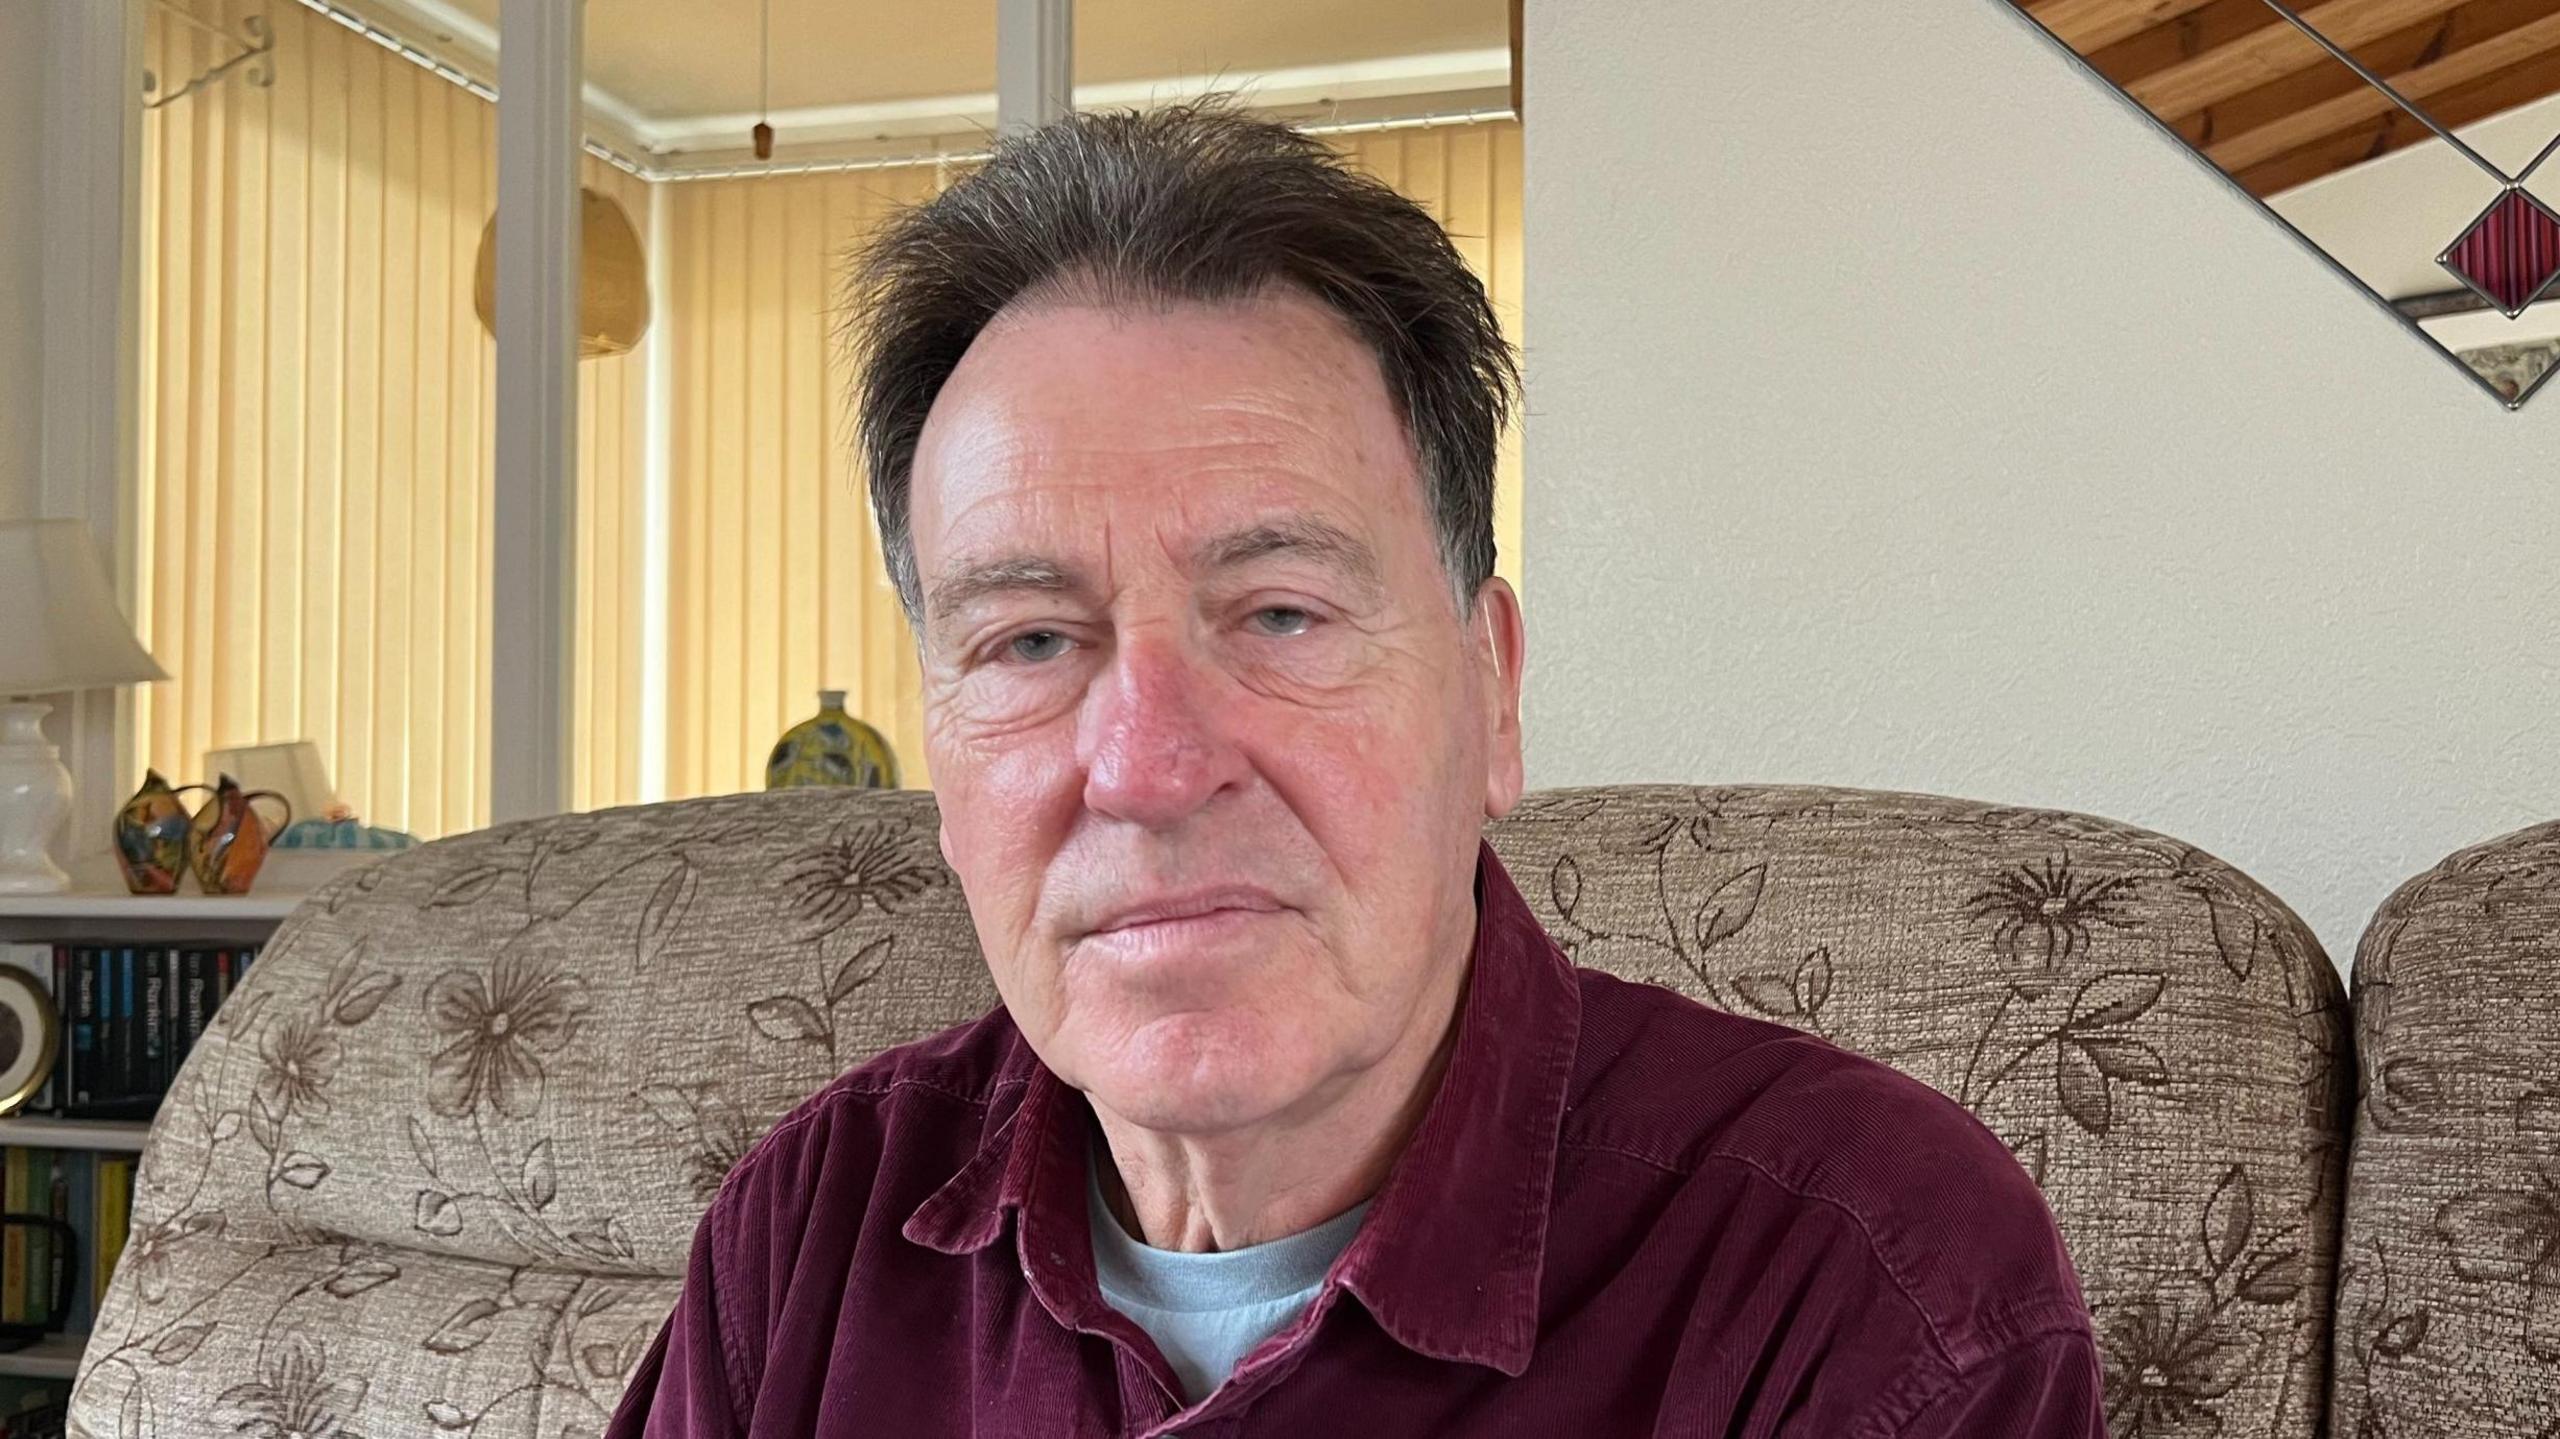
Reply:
x=1498, y=644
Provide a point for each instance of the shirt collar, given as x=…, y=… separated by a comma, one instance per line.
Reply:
x=1449, y=1257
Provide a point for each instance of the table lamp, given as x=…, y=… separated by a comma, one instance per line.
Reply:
x=63, y=631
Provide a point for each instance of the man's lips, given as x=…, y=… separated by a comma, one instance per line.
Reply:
x=1191, y=904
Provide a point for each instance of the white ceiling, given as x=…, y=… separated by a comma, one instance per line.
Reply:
x=667, y=61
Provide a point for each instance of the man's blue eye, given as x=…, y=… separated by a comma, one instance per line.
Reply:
x=1038, y=645
x=1283, y=620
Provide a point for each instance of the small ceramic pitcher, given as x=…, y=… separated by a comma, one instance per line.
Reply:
x=151, y=836
x=229, y=840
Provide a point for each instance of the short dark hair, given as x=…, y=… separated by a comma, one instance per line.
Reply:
x=1200, y=201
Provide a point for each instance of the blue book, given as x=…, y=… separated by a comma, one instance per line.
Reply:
x=76, y=1188
x=127, y=1053
x=151, y=1076
x=110, y=1026
x=85, y=1060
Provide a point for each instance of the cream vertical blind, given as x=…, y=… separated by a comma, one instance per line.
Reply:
x=605, y=695
x=316, y=431
x=1469, y=177
x=777, y=584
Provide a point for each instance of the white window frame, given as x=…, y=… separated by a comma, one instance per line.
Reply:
x=93, y=337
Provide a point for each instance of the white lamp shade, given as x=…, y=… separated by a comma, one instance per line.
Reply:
x=292, y=769
x=60, y=626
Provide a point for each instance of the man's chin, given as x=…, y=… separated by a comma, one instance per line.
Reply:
x=1197, y=1074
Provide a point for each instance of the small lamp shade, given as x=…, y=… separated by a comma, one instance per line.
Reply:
x=613, y=279
x=60, y=626
x=292, y=769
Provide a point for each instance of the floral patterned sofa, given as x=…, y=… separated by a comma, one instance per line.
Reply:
x=436, y=1168
x=2449, y=1292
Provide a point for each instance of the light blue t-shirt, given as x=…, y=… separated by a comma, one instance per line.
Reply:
x=1206, y=1311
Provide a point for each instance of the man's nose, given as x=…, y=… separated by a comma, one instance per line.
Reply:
x=1155, y=747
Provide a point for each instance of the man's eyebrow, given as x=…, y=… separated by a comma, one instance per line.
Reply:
x=956, y=591
x=1318, y=540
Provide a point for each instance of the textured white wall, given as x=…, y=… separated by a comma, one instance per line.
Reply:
x=1906, y=411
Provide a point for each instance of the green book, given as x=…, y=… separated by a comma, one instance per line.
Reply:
x=13, y=1247
x=39, y=1296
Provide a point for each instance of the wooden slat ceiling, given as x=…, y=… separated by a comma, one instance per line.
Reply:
x=2265, y=103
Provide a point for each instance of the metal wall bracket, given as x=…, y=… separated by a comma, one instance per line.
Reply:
x=253, y=58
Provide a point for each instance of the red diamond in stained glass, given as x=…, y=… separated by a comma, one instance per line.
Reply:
x=2510, y=254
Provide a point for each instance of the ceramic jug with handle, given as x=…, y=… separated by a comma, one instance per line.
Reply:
x=151, y=836
x=230, y=838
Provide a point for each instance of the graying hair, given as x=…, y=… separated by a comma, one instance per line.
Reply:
x=1194, y=202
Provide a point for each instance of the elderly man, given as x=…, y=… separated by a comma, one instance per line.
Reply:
x=1293, y=1121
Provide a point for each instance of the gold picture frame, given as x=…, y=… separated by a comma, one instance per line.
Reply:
x=30, y=1038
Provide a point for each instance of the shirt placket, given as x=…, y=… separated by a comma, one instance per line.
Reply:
x=1057, y=1263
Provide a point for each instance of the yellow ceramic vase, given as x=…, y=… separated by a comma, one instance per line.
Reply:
x=831, y=749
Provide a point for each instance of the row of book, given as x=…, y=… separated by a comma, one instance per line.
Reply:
x=34, y=1408
x=130, y=1013
x=88, y=1191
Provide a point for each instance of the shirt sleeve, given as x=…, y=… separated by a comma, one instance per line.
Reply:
x=2046, y=1388
x=682, y=1388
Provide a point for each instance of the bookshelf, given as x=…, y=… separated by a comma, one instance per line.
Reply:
x=43, y=1131
x=56, y=1356
x=119, y=909
x=86, y=913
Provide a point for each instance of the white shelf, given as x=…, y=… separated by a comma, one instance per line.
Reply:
x=55, y=1356
x=113, y=908
x=39, y=1131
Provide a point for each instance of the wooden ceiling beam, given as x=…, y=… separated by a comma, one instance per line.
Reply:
x=2537, y=78
x=2305, y=88
x=2251, y=148
x=2269, y=54
x=2087, y=25
x=2343, y=150
x=2157, y=49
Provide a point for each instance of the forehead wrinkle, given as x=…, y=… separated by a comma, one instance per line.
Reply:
x=1001, y=574
x=1314, y=538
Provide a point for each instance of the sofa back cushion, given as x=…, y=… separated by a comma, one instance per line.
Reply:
x=442, y=1158
x=2449, y=1296
x=2160, y=1040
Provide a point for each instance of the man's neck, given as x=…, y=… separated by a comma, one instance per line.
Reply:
x=1272, y=1180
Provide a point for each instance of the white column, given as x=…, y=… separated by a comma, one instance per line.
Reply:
x=540, y=60
x=1035, y=62
x=70, y=113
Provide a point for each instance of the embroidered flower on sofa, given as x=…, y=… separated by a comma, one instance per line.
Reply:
x=2376, y=1331
x=1797, y=998
x=716, y=1151
x=2398, y=1091
x=2167, y=1365
x=296, y=1058
x=2094, y=1047
x=871, y=862
x=294, y=1396
x=2047, y=915
x=495, y=1033
x=150, y=1253
x=713, y=1130
x=2510, y=1235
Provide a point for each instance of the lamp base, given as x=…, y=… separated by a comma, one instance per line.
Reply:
x=35, y=798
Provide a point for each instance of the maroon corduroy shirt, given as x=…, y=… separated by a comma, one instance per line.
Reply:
x=1623, y=1214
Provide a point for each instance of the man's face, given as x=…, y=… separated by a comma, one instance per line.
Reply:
x=1189, y=647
